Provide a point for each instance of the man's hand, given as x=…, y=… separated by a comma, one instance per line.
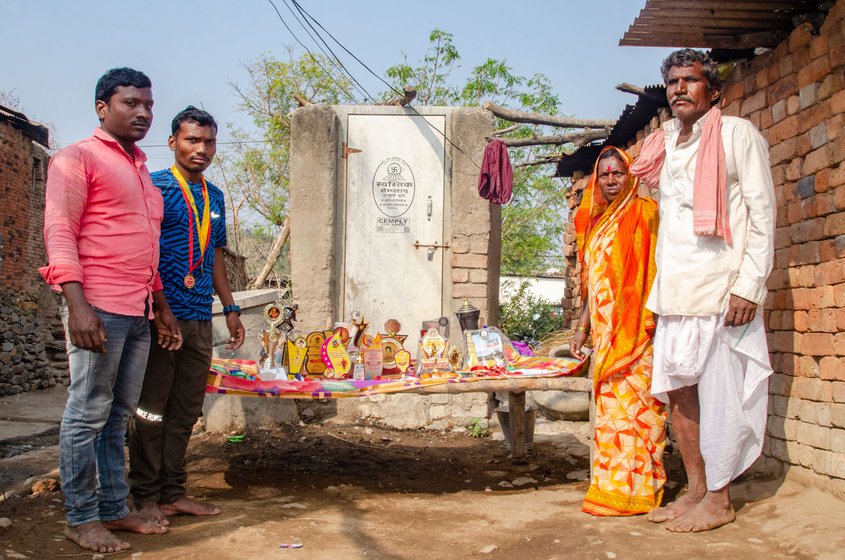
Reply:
x=236, y=331
x=577, y=342
x=169, y=333
x=86, y=329
x=740, y=311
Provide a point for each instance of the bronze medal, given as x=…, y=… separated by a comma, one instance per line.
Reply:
x=190, y=281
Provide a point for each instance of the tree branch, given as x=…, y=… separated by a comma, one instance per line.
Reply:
x=540, y=161
x=537, y=118
x=577, y=137
x=503, y=131
x=272, y=256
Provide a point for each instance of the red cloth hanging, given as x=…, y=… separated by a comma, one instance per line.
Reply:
x=495, y=183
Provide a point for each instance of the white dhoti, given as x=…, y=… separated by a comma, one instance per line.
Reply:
x=730, y=366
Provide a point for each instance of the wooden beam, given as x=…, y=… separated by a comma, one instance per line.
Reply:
x=785, y=6
x=574, y=384
x=638, y=91
x=537, y=118
x=576, y=137
x=656, y=38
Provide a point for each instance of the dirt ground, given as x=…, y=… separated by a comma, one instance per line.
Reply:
x=358, y=492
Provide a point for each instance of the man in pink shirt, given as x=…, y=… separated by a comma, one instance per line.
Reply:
x=101, y=229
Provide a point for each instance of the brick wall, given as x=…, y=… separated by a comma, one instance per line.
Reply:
x=795, y=95
x=23, y=170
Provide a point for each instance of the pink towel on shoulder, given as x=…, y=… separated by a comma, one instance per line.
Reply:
x=710, y=193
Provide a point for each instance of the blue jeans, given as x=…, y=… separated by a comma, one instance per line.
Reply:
x=103, y=395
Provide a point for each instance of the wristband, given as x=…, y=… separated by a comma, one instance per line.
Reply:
x=231, y=308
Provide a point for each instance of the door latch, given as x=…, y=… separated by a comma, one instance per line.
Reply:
x=432, y=247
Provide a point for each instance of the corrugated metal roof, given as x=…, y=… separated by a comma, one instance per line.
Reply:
x=721, y=24
x=31, y=130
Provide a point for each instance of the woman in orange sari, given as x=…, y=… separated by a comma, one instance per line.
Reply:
x=616, y=230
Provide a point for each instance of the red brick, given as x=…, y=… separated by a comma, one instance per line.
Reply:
x=813, y=72
x=802, y=57
x=802, y=299
x=800, y=36
x=819, y=46
x=822, y=320
x=829, y=273
x=839, y=344
x=731, y=92
x=837, y=175
x=782, y=238
x=834, y=82
x=817, y=159
x=807, y=367
x=753, y=103
x=824, y=297
x=837, y=102
x=834, y=225
x=787, y=128
x=815, y=344
x=832, y=368
x=786, y=65
x=469, y=290
x=822, y=180
x=801, y=320
x=808, y=253
x=840, y=320
x=783, y=151
x=794, y=171
x=766, y=118
x=827, y=250
x=778, y=173
x=793, y=104
x=803, y=145
x=807, y=230
x=835, y=126
x=813, y=116
x=793, y=212
x=839, y=197
x=773, y=72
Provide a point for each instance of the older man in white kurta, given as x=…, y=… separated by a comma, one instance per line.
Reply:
x=710, y=355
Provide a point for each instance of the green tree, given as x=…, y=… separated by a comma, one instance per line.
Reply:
x=255, y=171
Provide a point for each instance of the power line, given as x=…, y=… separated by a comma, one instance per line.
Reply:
x=278, y=13
x=342, y=69
x=442, y=133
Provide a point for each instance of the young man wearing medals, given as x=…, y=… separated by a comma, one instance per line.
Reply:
x=192, y=267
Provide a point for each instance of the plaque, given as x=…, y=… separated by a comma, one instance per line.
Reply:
x=314, y=361
x=403, y=361
x=297, y=352
x=334, y=356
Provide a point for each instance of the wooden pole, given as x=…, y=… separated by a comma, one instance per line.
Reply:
x=516, y=414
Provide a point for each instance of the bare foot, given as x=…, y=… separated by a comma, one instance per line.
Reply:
x=187, y=506
x=149, y=511
x=675, y=509
x=94, y=536
x=708, y=514
x=135, y=524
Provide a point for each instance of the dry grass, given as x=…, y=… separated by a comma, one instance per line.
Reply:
x=552, y=341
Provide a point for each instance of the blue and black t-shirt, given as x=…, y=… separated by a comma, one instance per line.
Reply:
x=188, y=304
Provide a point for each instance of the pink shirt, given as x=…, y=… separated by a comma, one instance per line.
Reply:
x=102, y=222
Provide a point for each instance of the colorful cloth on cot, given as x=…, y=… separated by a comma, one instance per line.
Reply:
x=240, y=377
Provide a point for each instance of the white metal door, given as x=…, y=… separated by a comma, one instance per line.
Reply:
x=394, y=199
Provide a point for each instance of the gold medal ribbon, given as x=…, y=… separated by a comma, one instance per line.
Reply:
x=203, y=226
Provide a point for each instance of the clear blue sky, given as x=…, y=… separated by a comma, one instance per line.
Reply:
x=54, y=50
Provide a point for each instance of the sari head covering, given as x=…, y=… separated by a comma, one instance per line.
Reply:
x=628, y=225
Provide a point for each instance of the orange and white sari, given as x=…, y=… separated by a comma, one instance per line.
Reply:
x=616, y=244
